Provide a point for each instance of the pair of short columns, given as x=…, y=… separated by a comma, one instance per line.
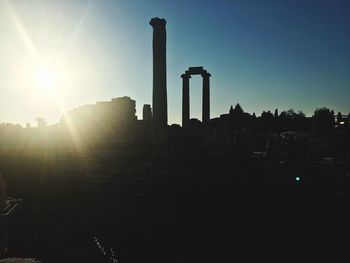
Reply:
x=186, y=98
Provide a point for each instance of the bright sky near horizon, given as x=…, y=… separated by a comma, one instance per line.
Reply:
x=56, y=55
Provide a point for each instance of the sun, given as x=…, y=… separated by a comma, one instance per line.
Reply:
x=46, y=79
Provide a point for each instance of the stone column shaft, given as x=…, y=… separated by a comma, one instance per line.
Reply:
x=160, y=110
x=206, y=98
x=185, y=99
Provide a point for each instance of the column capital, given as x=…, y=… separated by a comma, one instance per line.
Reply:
x=205, y=74
x=185, y=76
x=157, y=22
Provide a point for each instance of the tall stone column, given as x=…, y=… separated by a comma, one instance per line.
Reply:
x=160, y=110
x=159, y=97
x=206, y=98
x=185, y=99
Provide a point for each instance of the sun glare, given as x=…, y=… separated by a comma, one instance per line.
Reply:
x=46, y=79
x=46, y=68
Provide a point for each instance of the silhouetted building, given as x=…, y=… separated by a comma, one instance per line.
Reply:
x=116, y=110
x=41, y=122
x=233, y=130
x=125, y=107
x=147, y=112
x=105, y=121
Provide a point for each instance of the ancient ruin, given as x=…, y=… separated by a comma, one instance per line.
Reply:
x=186, y=94
x=160, y=110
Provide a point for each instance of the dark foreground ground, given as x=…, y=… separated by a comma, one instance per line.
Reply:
x=211, y=209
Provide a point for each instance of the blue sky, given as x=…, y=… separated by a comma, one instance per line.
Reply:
x=263, y=54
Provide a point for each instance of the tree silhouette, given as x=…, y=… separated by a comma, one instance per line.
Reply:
x=300, y=121
x=238, y=109
x=282, y=121
x=265, y=122
x=231, y=110
x=339, y=117
x=236, y=116
x=323, y=120
x=291, y=114
x=291, y=121
x=301, y=114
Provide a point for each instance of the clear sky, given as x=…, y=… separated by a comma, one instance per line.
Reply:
x=264, y=54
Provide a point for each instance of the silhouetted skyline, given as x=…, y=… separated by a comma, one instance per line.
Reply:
x=104, y=173
x=262, y=55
